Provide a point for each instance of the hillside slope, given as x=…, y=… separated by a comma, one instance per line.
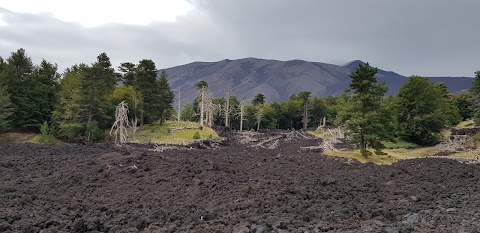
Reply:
x=277, y=80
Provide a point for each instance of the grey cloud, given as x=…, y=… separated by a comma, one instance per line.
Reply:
x=433, y=38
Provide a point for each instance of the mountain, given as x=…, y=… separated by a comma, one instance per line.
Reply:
x=278, y=80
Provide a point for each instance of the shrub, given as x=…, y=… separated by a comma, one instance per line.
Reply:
x=196, y=135
x=93, y=133
x=46, y=139
x=71, y=132
x=46, y=136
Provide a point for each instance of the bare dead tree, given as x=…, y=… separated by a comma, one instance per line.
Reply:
x=121, y=123
x=179, y=109
x=202, y=88
x=242, y=113
x=258, y=116
x=137, y=99
x=209, y=107
x=227, y=109
x=306, y=114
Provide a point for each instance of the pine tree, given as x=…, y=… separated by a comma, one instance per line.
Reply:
x=165, y=97
x=363, y=117
x=98, y=81
x=145, y=82
x=127, y=75
x=44, y=93
x=5, y=108
x=475, y=90
x=15, y=76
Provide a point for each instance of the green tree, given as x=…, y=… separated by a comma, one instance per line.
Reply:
x=363, y=117
x=145, y=82
x=32, y=89
x=259, y=99
x=475, y=90
x=84, y=109
x=464, y=103
x=15, y=76
x=68, y=107
x=44, y=93
x=131, y=96
x=127, y=75
x=449, y=107
x=420, y=111
x=318, y=111
x=5, y=108
x=97, y=83
x=187, y=113
x=165, y=97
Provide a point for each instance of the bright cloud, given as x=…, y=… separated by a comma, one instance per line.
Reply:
x=92, y=13
x=2, y=23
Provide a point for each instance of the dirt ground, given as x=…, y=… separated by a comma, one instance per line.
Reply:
x=232, y=188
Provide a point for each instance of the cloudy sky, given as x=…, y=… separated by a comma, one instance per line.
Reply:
x=423, y=37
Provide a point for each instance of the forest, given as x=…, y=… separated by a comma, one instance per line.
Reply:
x=79, y=104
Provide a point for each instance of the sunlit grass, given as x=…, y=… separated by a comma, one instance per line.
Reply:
x=19, y=137
x=393, y=155
x=399, y=145
x=466, y=124
x=320, y=134
x=463, y=155
x=164, y=133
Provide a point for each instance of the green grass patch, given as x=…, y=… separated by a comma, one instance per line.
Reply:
x=166, y=133
x=399, y=145
x=320, y=134
x=463, y=155
x=466, y=124
x=19, y=137
x=393, y=155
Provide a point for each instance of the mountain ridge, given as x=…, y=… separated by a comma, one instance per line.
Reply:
x=278, y=80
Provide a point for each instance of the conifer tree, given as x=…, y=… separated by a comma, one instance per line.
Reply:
x=165, y=97
x=145, y=82
x=363, y=117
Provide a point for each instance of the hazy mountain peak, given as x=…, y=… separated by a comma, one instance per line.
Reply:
x=354, y=64
x=278, y=80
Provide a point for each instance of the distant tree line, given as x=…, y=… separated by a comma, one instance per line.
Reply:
x=79, y=104
x=419, y=113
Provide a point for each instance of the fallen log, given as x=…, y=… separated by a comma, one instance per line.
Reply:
x=269, y=140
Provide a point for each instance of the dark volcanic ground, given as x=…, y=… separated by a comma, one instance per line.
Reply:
x=103, y=188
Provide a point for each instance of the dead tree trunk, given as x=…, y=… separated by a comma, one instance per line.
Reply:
x=121, y=123
x=134, y=122
x=227, y=110
x=242, y=112
x=259, y=117
x=207, y=108
x=202, y=105
x=306, y=115
x=179, y=105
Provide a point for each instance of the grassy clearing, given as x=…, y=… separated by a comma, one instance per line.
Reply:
x=399, y=145
x=463, y=155
x=466, y=124
x=28, y=138
x=393, y=155
x=320, y=134
x=164, y=134
x=19, y=137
